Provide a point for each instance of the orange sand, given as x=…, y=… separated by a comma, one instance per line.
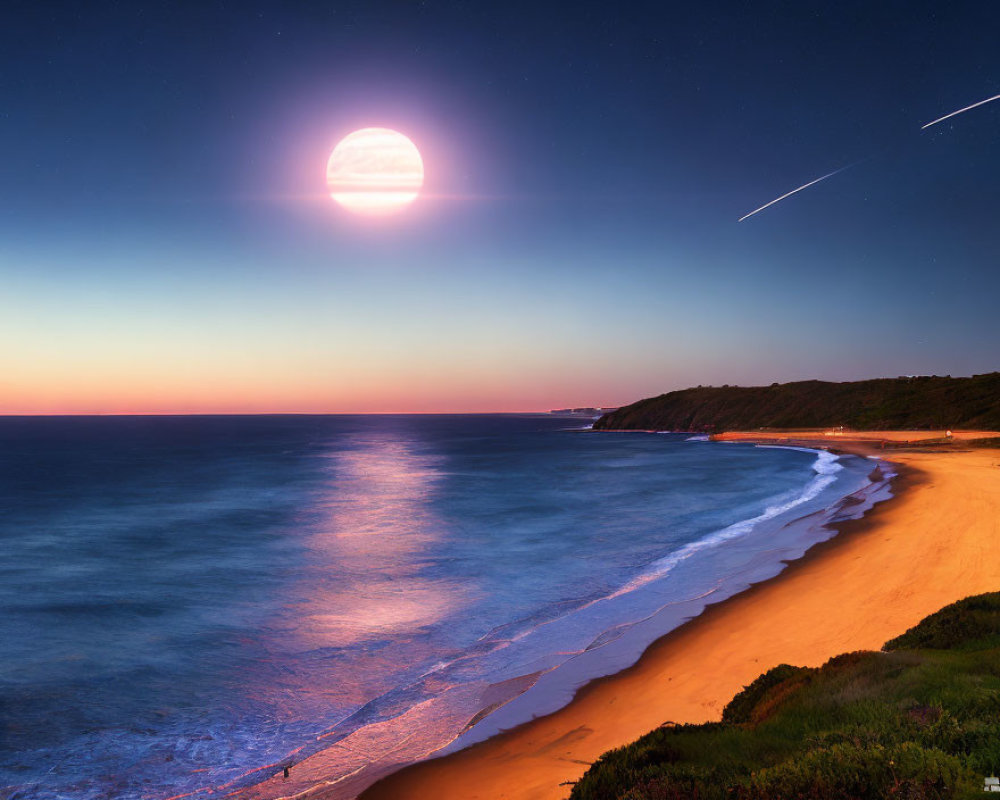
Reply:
x=937, y=542
x=836, y=437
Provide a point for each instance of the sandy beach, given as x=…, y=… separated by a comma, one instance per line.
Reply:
x=937, y=541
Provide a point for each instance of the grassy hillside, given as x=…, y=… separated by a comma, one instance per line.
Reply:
x=919, y=720
x=882, y=404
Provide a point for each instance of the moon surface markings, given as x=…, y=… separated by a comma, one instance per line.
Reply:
x=375, y=171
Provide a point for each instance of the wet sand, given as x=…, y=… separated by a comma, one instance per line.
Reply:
x=937, y=541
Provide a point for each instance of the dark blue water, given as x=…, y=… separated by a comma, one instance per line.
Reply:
x=187, y=600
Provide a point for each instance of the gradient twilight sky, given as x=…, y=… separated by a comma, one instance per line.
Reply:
x=167, y=243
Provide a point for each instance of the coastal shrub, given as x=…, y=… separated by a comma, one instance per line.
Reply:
x=667, y=755
x=976, y=738
x=860, y=773
x=919, y=720
x=742, y=707
x=681, y=784
x=969, y=624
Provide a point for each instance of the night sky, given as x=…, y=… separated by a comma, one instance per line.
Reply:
x=167, y=242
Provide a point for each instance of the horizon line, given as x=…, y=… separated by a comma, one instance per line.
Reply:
x=10, y=414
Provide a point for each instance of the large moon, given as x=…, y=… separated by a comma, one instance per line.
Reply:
x=375, y=171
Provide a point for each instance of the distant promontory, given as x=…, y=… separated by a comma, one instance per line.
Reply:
x=923, y=402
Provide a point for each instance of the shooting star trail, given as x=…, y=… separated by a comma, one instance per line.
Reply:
x=961, y=111
x=789, y=194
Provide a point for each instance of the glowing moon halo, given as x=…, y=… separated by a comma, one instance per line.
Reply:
x=375, y=171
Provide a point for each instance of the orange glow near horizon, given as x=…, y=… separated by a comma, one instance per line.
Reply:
x=350, y=346
x=245, y=394
x=375, y=171
x=156, y=398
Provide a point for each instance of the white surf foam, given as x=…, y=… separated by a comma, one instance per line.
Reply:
x=825, y=467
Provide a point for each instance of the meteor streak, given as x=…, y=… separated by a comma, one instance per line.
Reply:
x=789, y=194
x=961, y=110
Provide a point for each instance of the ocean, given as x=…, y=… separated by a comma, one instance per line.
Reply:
x=191, y=603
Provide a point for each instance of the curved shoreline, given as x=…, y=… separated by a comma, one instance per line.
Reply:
x=870, y=571
x=777, y=536
x=792, y=530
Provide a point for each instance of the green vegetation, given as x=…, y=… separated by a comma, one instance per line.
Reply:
x=919, y=403
x=919, y=720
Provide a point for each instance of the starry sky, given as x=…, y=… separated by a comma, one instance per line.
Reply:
x=167, y=243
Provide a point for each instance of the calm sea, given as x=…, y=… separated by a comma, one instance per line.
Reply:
x=188, y=603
